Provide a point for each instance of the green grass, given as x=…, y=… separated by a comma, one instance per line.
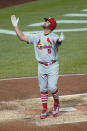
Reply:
x=17, y=59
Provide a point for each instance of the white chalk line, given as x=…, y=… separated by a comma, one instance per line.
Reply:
x=64, y=96
x=82, y=94
x=71, y=30
x=68, y=109
x=76, y=14
x=68, y=122
x=84, y=10
x=9, y=32
x=33, y=77
x=61, y=21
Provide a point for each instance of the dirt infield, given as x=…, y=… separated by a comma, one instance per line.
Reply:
x=16, y=99
x=8, y=3
x=29, y=88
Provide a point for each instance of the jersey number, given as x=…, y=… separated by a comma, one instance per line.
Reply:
x=49, y=51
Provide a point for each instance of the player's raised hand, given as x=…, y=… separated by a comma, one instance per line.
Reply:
x=14, y=20
x=61, y=38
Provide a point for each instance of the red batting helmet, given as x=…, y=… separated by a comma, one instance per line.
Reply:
x=52, y=24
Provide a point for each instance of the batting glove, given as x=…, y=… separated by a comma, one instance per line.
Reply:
x=61, y=38
x=14, y=20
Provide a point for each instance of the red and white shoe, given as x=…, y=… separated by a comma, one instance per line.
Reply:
x=55, y=111
x=44, y=114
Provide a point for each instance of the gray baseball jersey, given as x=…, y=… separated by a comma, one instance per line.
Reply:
x=46, y=51
x=45, y=48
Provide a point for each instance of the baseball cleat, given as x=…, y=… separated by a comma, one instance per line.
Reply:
x=55, y=111
x=44, y=114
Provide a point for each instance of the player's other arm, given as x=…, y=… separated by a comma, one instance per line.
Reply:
x=19, y=33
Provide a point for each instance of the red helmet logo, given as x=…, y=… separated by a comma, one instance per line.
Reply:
x=52, y=21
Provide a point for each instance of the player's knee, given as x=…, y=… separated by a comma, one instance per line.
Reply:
x=52, y=88
x=42, y=89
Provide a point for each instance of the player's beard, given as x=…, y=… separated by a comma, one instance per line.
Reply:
x=45, y=27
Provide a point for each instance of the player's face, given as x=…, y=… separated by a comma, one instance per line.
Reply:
x=46, y=24
x=46, y=27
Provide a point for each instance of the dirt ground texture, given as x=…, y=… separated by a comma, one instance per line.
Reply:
x=22, y=89
x=8, y=3
x=28, y=88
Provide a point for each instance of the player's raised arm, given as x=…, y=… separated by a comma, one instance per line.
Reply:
x=61, y=38
x=19, y=33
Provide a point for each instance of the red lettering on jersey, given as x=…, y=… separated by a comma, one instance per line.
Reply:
x=50, y=46
x=39, y=41
x=38, y=45
x=49, y=41
x=45, y=46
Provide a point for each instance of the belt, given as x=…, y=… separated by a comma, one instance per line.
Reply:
x=47, y=64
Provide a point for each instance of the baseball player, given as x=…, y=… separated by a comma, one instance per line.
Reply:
x=46, y=51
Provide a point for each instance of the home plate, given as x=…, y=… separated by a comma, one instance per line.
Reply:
x=68, y=109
